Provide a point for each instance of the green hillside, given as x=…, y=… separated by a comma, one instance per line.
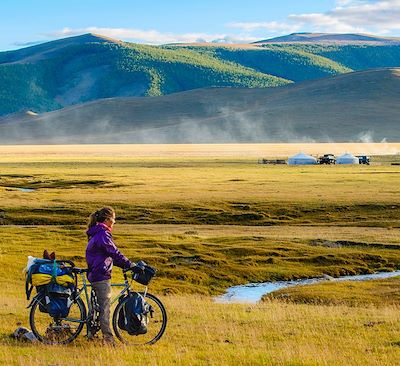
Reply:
x=286, y=62
x=355, y=57
x=85, y=68
x=174, y=70
x=79, y=72
x=340, y=108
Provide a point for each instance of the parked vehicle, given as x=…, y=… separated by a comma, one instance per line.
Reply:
x=327, y=159
x=364, y=159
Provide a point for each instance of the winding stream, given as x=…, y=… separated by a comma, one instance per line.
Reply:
x=253, y=292
x=26, y=190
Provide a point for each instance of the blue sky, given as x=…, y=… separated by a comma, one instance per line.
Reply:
x=25, y=22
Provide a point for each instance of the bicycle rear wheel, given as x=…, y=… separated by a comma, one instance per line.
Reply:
x=57, y=331
x=155, y=328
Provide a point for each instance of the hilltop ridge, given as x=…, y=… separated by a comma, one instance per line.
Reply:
x=331, y=38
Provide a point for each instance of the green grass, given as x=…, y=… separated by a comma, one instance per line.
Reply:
x=189, y=262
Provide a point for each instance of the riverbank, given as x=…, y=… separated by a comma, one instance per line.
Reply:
x=254, y=292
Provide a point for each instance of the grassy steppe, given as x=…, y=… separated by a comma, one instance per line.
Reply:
x=209, y=222
x=198, y=191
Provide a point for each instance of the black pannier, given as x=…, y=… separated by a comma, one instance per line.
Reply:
x=134, y=314
x=143, y=273
x=55, y=300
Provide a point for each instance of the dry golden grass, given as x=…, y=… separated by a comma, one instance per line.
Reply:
x=177, y=151
x=377, y=292
x=201, y=332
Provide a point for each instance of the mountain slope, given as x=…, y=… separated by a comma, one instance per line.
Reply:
x=340, y=108
x=329, y=38
x=85, y=68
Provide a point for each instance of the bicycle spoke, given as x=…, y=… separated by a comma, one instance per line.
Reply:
x=51, y=330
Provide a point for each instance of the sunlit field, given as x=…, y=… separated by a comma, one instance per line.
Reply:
x=179, y=151
x=209, y=217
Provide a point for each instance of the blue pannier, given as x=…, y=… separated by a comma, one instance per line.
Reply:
x=133, y=316
x=52, y=270
x=58, y=300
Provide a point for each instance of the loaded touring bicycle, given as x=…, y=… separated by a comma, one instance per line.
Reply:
x=65, y=303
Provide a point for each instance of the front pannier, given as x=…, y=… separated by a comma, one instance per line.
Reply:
x=134, y=314
x=143, y=273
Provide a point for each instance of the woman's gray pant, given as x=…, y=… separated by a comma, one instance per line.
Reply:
x=103, y=293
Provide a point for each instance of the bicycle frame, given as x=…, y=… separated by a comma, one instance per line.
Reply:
x=87, y=312
x=85, y=285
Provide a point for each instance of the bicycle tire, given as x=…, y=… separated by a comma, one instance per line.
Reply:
x=140, y=340
x=41, y=337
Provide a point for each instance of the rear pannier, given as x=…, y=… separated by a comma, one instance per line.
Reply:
x=57, y=300
x=55, y=284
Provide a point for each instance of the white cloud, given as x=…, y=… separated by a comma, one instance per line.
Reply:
x=359, y=16
x=324, y=23
x=379, y=17
x=153, y=36
x=349, y=2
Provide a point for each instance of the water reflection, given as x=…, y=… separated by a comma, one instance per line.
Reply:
x=253, y=292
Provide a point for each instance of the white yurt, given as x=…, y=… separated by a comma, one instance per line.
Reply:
x=302, y=159
x=347, y=159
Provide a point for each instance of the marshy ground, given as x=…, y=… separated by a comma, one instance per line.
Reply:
x=209, y=220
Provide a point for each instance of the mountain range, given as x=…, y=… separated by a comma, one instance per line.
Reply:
x=303, y=86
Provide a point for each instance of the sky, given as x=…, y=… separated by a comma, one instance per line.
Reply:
x=28, y=22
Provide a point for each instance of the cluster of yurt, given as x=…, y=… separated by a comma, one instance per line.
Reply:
x=304, y=159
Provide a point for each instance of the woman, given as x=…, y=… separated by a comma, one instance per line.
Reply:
x=101, y=253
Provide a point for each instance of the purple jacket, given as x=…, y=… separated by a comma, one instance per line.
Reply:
x=101, y=253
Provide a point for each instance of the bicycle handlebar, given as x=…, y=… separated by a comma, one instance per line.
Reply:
x=85, y=270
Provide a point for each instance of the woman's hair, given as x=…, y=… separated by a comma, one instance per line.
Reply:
x=100, y=216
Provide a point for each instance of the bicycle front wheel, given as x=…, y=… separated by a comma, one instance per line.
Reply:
x=155, y=328
x=50, y=330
